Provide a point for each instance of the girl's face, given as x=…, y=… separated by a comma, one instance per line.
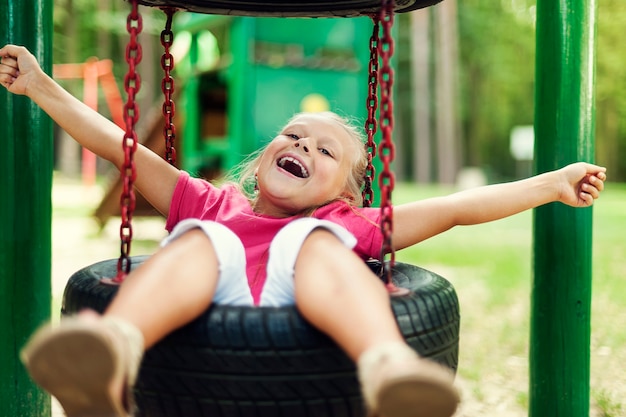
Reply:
x=305, y=166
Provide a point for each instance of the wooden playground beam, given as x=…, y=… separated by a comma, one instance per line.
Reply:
x=92, y=72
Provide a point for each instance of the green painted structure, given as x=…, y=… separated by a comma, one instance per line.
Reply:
x=564, y=132
x=275, y=67
x=26, y=212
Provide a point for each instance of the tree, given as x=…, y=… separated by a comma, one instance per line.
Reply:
x=497, y=78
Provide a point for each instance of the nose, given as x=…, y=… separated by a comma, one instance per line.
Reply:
x=304, y=146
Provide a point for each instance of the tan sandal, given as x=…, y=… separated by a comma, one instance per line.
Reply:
x=396, y=382
x=88, y=365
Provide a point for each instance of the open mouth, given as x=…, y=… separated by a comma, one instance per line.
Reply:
x=293, y=166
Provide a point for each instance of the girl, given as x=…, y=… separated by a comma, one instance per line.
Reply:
x=264, y=249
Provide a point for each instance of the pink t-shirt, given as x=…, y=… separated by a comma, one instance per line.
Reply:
x=197, y=198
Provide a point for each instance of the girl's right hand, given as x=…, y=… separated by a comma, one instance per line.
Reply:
x=17, y=68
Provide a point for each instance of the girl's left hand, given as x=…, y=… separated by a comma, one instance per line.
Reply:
x=581, y=184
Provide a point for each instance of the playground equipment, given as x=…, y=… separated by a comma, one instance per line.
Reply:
x=269, y=361
x=94, y=71
x=560, y=335
x=26, y=211
x=252, y=361
x=286, y=65
x=561, y=297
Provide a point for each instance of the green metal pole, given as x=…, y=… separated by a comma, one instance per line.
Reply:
x=25, y=212
x=564, y=130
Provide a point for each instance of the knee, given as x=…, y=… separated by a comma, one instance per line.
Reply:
x=326, y=268
x=323, y=252
x=203, y=236
x=195, y=239
x=322, y=243
x=191, y=247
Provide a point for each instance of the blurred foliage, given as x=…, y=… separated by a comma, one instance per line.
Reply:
x=611, y=88
x=87, y=28
x=497, y=54
x=497, y=51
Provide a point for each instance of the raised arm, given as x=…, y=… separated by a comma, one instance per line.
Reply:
x=21, y=74
x=576, y=185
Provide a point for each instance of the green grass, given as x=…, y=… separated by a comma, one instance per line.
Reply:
x=490, y=265
x=607, y=405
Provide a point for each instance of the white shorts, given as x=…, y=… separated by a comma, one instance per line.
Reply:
x=232, y=287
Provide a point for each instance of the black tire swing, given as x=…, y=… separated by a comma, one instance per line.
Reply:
x=262, y=361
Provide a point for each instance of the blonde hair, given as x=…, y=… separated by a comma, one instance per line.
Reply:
x=243, y=175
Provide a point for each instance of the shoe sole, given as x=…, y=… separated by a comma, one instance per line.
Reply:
x=78, y=365
x=412, y=398
x=427, y=394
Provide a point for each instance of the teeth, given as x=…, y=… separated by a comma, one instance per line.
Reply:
x=294, y=161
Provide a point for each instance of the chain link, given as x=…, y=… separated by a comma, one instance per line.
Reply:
x=167, y=86
x=372, y=106
x=132, y=84
x=387, y=148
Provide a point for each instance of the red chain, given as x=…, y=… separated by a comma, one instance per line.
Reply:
x=132, y=84
x=387, y=149
x=372, y=106
x=167, y=86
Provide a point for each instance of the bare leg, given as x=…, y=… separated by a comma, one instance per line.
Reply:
x=90, y=363
x=170, y=289
x=339, y=294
